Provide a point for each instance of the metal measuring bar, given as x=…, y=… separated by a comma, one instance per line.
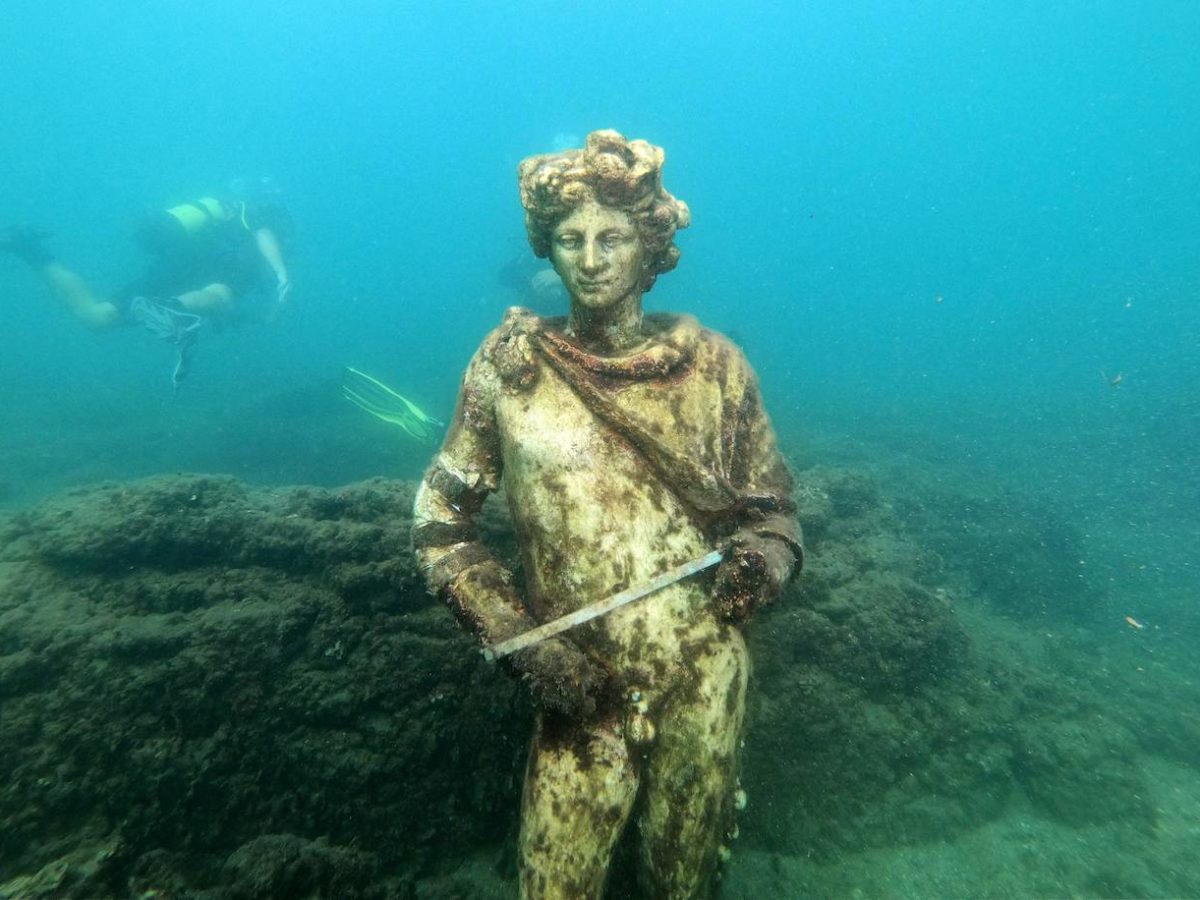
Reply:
x=601, y=607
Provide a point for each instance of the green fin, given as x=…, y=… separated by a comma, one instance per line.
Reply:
x=373, y=396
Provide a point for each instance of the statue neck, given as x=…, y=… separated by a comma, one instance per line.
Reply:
x=616, y=329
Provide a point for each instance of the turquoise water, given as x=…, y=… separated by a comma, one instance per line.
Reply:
x=960, y=243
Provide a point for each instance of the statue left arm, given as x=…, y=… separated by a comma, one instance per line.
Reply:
x=767, y=550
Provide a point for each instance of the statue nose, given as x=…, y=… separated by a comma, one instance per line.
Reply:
x=592, y=258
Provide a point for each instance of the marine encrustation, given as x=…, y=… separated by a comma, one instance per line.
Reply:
x=626, y=443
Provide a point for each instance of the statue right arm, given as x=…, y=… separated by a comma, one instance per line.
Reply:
x=458, y=567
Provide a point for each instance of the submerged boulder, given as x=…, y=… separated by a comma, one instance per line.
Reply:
x=218, y=691
x=189, y=665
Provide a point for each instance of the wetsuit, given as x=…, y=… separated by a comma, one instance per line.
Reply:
x=222, y=250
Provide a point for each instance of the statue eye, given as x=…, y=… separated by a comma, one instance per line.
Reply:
x=568, y=241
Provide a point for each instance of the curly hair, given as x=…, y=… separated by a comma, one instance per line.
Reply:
x=624, y=175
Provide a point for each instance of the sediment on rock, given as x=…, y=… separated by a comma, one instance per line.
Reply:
x=213, y=690
x=189, y=665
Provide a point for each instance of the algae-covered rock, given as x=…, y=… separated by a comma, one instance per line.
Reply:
x=188, y=665
x=283, y=865
x=860, y=671
x=1082, y=773
x=211, y=690
x=1017, y=551
x=875, y=722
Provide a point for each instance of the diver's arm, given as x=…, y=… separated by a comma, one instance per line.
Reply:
x=272, y=253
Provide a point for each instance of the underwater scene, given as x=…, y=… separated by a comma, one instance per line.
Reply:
x=345, y=341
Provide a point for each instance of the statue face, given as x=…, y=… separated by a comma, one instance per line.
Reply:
x=598, y=254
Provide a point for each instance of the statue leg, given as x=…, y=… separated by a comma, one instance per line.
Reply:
x=579, y=790
x=691, y=777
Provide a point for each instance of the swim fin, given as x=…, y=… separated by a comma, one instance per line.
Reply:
x=373, y=396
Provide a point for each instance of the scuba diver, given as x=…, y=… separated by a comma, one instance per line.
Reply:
x=207, y=259
x=635, y=452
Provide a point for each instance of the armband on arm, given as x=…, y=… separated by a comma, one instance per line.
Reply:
x=458, y=567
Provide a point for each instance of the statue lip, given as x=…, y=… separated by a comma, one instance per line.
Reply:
x=584, y=283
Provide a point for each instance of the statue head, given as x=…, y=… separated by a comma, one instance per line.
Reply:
x=614, y=172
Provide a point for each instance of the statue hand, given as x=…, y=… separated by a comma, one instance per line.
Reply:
x=754, y=573
x=562, y=677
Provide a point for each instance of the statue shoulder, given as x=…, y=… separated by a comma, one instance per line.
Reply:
x=507, y=350
x=713, y=351
x=719, y=343
x=686, y=330
x=719, y=352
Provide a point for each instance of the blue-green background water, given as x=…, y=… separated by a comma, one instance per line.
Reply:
x=943, y=218
x=939, y=229
x=1035, y=168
